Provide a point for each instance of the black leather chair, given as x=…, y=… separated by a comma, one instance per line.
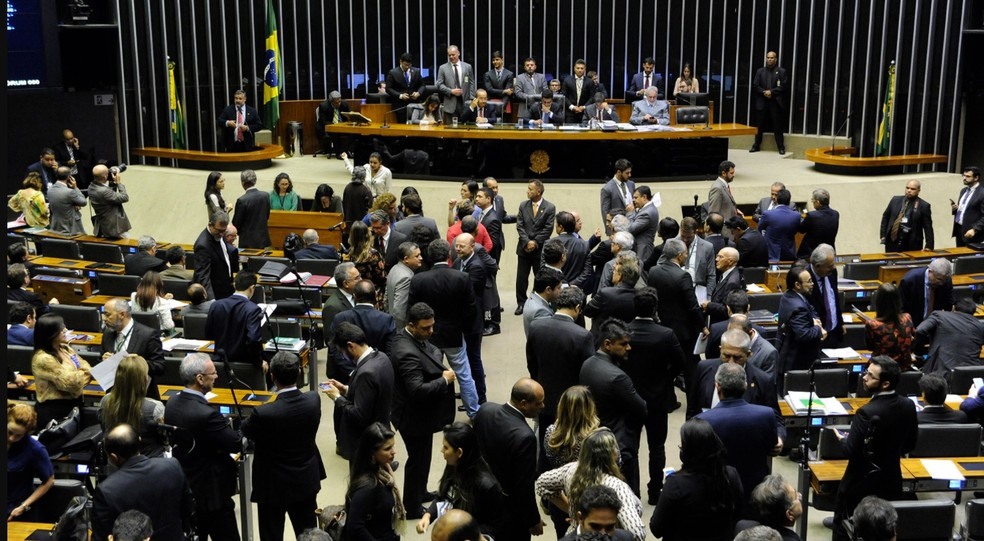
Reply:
x=754, y=275
x=828, y=448
x=150, y=319
x=178, y=288
x=962, y=378
x=692, y=115
x=830, y=382
x=323, y=267
x=947, y=440
x=925, y=520
x=866, y=270
x=973, y=527
x=19, y=359
x=79, y=318
x=968, y=264
x=117, y=285
x=908, y=385
x=105, y=253
x=51, y=507
x=68, y=249
x=764, y=301
x=310, y=294
x=193, y=326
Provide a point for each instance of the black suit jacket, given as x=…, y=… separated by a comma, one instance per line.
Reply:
x=941, y=415
x=156, y=487
x=508, y=444
x=235, y=324
x=881, y=432
x=317, y=251
x=488, y=112
x=393, y=255
x=917, y=224
x=748, y=432
x=203, y=449
x=556, y=347
x=716, y=308
x=380, y=327
x=620, y=408
x=616, y=302
x=914, y=295
x=677, y=302
x=286, y=454
x=577, y=267
x=396, y=84
x=537, y=229
x=556, y=113
x=713, y=350
x=210, y=265
x=569, y=89
x=775, y=80
x=654, y=360
x=495, y=85
x=146, y=342
x=449, y=293
x=251, y=216
x=47, y=175
x=818, y=227
x=139, y=263
x=424, y=400
x=973, y=214
x=229, y=134
x=369, y=400
x=798, y=339
x=326, y=115
x=752, y=249
x=761, y=390
x=820, y=306
x=493, y=225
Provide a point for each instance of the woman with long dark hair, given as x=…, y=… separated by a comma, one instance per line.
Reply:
x=367, y=259
x=60, y=374
x=686, y=82
x=127, y=403
x=467, y=483
x=701, y=502
x=372, y=503
x=325, y=200
x=214, y=185
x=151, y=297
x=891, y=331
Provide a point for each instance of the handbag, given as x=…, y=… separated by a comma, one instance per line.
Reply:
x=332, y=520
x=73, y=525
x=58, y=433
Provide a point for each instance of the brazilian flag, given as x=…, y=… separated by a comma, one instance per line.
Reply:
x=273, y=82
x=883, y=142
x=174, y=110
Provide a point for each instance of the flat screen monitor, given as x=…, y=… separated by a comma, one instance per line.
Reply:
x=692, y=98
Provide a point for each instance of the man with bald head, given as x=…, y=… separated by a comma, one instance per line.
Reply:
x=729, y=279
x=123, y=333
x=456, y=83
x=65, y=199
x=907, y=220
x=107, y=194
x=508, y=444
x=457, y=525
x=313, y=249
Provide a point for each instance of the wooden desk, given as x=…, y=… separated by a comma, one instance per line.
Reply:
x=283, y=222
x=78, y=264
x=825, y=475
x=19, y=531
x=893, y=274
x=968, y=280
x=255, y=252
x=524, y=134
x=921, y=481
x=223, y=396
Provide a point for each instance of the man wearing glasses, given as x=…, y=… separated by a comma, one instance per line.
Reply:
x=881, y=433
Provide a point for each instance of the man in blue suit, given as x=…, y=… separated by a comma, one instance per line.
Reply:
x=800, y=330
x=779, y=227
x=748, y=431
x=379, y=327
x=234, y=323
x=21, y=331
x=313, y=250
x=643, y=80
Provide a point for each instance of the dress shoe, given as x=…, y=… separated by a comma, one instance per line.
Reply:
x=782, y=150
x=828, y=523
x=755, y=148
x=519, y=310
x=462, y=408
x=491, y=330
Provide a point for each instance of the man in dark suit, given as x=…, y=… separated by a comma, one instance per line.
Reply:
x=653, y=362
x=235, y=322
x=736, y=303
x=473, y=260
x=498, y=81
x=935, y=411
x=616, y=301
x=388, y=240
x=286, y=454
x=825, y=298
x=378, y=326
x=330, y=112
x=45, y=167
x=769, y=87
x=313, y=250
x=954, y=338
x=479, y=111
x=488, y=217
x=368, y=397
x=508, y=444
x=22, y=317
x=577, y=267
x=713, y=232
x=424, y=400
x=729, y=280
x=450, y=294
x=644, y=222
x=752, y=250
x=820, y=225
x=239, y=123
x=906, y=221
x=556, y=347
x=404, y=86
x=643, y=80
x=578, y=92
x=547, y=111
x=968, y=211
x=203, y=448
x=779, y=227
x=215, y=260
x=677, y=302
x=69, y=153
x=776, y=504
x=252, y=214
x=145, y=259
x=413, y=211
x=346, y=276
x=748, y=431
x=620, y=408
x=156, y=487
x=882, y=432
x=925, y=290
x=534, y=223
x=499, y=205
x=800, y=330
x=124, y=334
x=616, y=194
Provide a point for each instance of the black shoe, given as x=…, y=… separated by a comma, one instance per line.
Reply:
x=755, y=148
x=462, y=408
x=519, y=310
x=491, y=330
x=782, y=150
x=828, y=523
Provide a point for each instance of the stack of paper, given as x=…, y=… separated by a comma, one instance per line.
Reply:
x=798, y=401
x=183, y=344
x=294, y=345
x=841, y=353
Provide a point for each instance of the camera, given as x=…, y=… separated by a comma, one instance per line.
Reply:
x=117, y=169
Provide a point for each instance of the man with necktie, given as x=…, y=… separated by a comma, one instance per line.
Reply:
x=968, y=212
x=800, y=329
x=46, y=167
x=456, y=82
x=578, y=91
x=330, y=112
x=529, y=86
x=404, y=86
x=239, y=123
x=650, y=110
x=547, y=111
x=498, y=81
x=643, y=80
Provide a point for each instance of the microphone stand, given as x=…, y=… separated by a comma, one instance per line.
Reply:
x=398, y=109
x=804, y=445
x=696, y=206
x=292, y=269
x=833, y=138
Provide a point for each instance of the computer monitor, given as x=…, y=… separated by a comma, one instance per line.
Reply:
x=104, y=253
x=692, y=98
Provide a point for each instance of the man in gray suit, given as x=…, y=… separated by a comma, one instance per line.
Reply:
x=764, y=355
x=954, y=338
x=110, y=219
x=529, y=86
x=616, y=194
x=64, y=201
x=413, y=211
x=644, y=222
x=720, y=199
x=700, y=256
x=398, y=283
x=546, y=286
x=456, y=82
x=599, y=110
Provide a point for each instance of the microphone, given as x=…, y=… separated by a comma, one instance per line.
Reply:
x=231, y=375
x=385, y=125
x=833, y=138
x=696, y=206
x=338, y=226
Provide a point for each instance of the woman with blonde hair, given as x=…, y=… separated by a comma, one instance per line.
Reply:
x=150, y=297
x=577, y=418
x=30, y=201
x=26, y=459
x=127, y=403
x=60, y=375
x=597, y=464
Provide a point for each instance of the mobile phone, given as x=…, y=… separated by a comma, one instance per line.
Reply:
x=324, y=386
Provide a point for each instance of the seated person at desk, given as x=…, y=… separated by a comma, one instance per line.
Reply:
x=122, y=333
x=21, y=330
x=600, y=110
x=954, y=338
x=26, y=459
x=934, y=389
x=200, y=303
x=330, y=112
x=325, y=200
x=479, y=111
x=17, y=281
x=145, y=259
x=176, y=261
x=430, y=114
x=547, y=111
x=313, y=250
x=558, y=95
x=650, y=110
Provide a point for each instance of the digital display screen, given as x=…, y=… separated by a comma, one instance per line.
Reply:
x=956, y=484
x=25, y=45
x=225, y=410
x=816, y=421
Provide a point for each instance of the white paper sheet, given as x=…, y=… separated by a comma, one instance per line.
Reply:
x=657, y=200
x=105, y=372
x=942, y=469
x=841, y=353
x=847, y=318
x=183, y=344
x=754, y=288
x=833, y=406
x=701, y=292
x=701, y=346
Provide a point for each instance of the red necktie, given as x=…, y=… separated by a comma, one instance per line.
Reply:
x=239, y=122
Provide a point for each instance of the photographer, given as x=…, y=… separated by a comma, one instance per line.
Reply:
x=107, y=195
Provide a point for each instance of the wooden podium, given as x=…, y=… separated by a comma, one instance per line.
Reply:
x=66, y=290
x=283, y=222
